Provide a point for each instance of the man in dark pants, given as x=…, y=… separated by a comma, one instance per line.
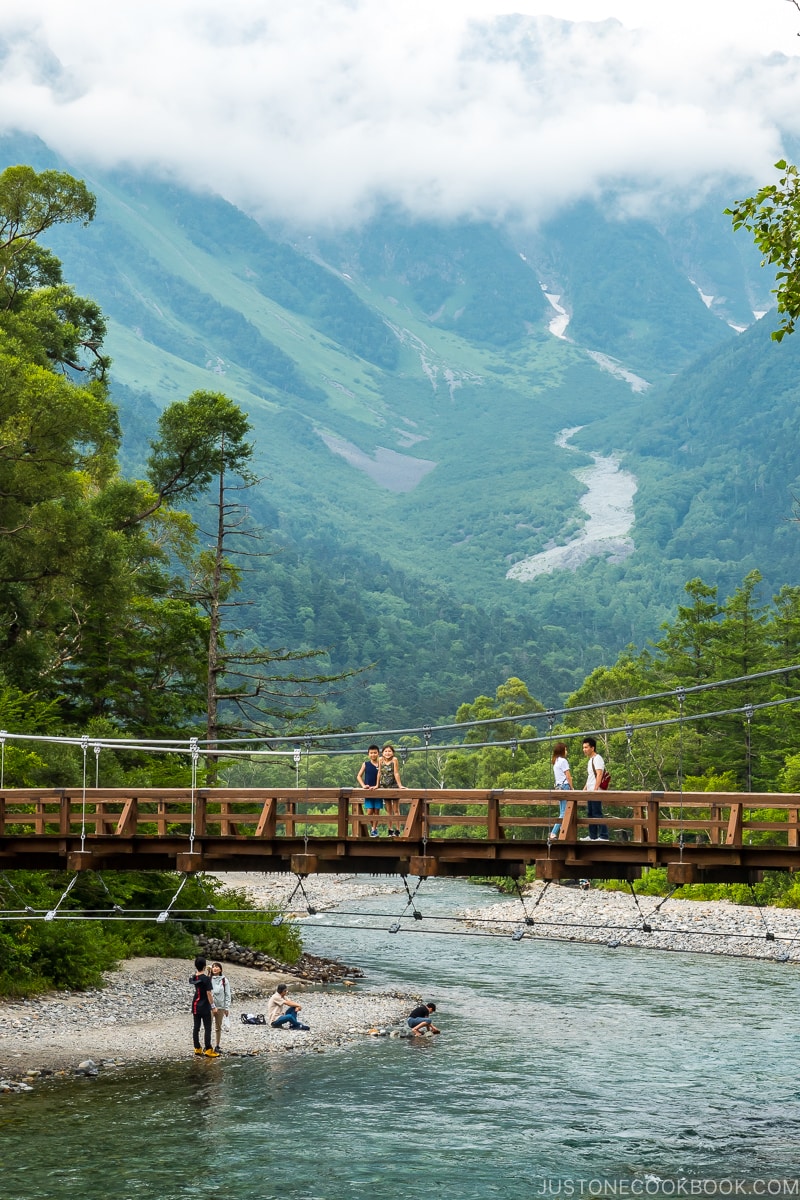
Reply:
x=202, y=1007
x=594, y=773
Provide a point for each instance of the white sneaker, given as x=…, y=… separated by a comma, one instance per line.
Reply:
x=587, y=839
x=601, y=839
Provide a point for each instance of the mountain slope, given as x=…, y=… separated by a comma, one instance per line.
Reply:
x=407, y=390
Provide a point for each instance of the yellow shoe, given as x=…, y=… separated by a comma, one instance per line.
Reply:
x=212, y=1053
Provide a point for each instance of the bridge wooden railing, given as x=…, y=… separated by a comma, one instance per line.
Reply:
x=643, y=818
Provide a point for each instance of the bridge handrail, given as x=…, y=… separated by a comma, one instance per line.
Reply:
x=723, y=818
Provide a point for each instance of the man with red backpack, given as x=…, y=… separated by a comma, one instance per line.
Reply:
x=596, y=776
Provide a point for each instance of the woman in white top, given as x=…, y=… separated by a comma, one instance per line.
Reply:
x=562, y=781
x=221, y=991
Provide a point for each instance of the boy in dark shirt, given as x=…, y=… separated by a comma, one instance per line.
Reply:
x=202, y=1007
x=419, y=1020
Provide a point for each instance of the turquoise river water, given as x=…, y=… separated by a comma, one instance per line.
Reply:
x=563, y=1069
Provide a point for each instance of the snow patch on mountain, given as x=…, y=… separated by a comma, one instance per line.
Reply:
x=615, y=368
x=433, y=370
x=393, y=471
x=707, y=300
x=608, y=504
x=558, y=324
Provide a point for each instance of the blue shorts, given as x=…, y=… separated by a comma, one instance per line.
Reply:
x=373, y=805
x=413, y=1022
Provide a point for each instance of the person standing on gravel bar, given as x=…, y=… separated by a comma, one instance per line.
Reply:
x=389, y=777
x=221, y=995
x=594, y=773
x=202, y=1007
x=419, y=1020
x=283, y=1011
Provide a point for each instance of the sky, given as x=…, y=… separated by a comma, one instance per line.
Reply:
x=317, y=112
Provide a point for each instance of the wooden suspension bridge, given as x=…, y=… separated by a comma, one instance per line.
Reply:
x=697, y=836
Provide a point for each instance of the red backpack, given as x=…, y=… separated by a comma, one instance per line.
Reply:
x=604, y=782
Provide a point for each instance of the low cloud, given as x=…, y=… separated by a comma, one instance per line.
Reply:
x=322, y=112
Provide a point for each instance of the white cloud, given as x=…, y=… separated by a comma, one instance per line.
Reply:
x=320, y=109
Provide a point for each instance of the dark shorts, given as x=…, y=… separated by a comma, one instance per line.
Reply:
x=373, y=805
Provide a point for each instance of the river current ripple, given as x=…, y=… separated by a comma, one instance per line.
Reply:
x=564, y=1069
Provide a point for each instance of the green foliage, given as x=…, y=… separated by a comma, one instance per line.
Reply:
x=37, y=955
x=197, y=439
x=777, y=888
x=772, y=217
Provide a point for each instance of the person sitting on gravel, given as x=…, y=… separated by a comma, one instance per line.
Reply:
x=282, y=1011
x=202, y=1007
x=419, y=1021
x=221, y=995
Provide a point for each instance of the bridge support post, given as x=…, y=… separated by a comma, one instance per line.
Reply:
x=680, y=873
x=188, y=863
x=304, y=864
x=423, y=866
x=79, y=860
x=343, y=814
x=549, y=869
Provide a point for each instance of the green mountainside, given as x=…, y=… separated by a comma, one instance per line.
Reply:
x=406, y=392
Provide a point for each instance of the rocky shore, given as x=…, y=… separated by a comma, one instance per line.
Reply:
x=649, y=922
x=142, y=1015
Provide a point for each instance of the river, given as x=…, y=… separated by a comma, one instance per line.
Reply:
x=563, y=1069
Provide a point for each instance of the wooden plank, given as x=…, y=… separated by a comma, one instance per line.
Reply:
x=416, y=821
x=189, y=862
x=268, y=819
x=343, y=814
x=493, y=817
x=128, y=818
x=64, y=815
x=549, y=869
x=653, y=810
x=569, y=822
x=733, y=835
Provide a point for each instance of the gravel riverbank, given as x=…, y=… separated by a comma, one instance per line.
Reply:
x=142, y=1015
x=712, y=927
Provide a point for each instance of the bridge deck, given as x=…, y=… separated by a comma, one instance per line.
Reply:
x=710, y=836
